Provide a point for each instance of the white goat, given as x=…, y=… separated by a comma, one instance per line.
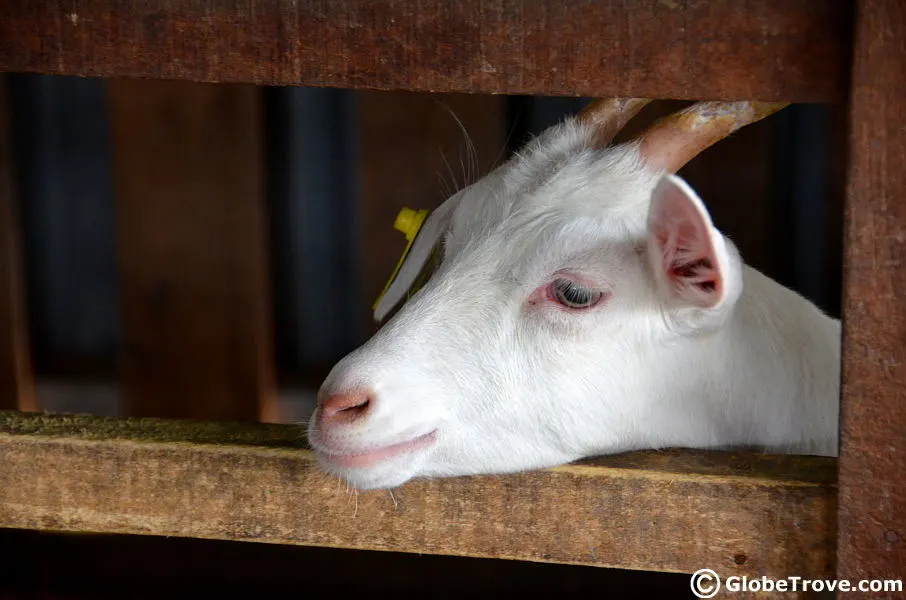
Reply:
x=585, y=305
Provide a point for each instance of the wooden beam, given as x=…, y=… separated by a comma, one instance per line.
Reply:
x=659, y=511
x=17, y=386
x=192, y=250
x=722, y=49
x=872, y=519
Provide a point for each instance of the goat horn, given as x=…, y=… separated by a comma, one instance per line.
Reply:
x=607, y=116
x=674, y=140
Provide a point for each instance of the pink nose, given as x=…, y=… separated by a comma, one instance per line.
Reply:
x=345, y=408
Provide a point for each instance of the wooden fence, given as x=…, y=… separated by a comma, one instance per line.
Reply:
x=195, y=352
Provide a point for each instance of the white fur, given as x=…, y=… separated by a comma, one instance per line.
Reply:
x=511, y=384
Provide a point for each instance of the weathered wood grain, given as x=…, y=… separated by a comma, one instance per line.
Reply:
x=192, y=250
x=660, y=511
x=872, y=521
x=16, y=377
x=793, y=50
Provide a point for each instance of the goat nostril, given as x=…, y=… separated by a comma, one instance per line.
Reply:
x=346, y=407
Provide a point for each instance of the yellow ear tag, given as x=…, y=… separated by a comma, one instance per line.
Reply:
x=409, y=222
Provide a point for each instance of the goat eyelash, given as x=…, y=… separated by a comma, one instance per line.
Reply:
x=572, y=295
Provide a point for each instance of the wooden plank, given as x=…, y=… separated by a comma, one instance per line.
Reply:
x=792, y=50
x=872, y=518
x=658, y=511
x=16, y=377
x=194, y=284
x=441, y=142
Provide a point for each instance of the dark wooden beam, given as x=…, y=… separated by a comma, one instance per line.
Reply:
x=792, y=50
x=192, y=250
x=872, y=521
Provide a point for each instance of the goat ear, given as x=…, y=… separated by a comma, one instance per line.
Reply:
x=687, y=253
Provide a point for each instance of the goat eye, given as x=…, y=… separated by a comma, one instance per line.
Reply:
x=572, y=295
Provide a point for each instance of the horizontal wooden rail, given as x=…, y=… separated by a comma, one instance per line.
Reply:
x=657, y=511
x=794, y=50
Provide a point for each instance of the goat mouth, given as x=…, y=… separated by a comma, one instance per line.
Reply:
x=359, y=460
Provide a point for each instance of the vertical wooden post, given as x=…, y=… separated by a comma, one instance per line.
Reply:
x=16, y=377
x=413, y=153
x=872, y=477
x=192, y=250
